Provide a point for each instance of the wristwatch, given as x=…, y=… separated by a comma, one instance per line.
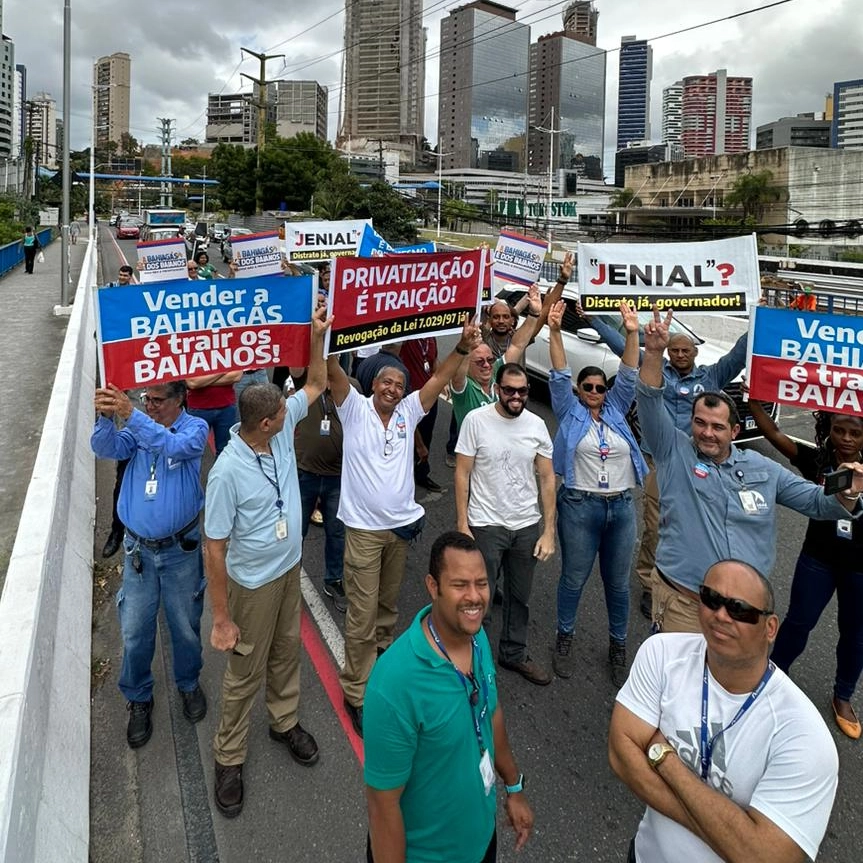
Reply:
x=658, y=752
x=518, y=787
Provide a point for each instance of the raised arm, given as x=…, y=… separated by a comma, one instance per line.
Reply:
x=556, y=352
x=629, y=317
x=316, y=381
x=655, y=343
x=609, y=334
x=433, y=387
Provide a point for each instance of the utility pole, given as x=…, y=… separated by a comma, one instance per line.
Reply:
x=166, y=189
x=440, y=157
x=261, y=105
x=551, y=131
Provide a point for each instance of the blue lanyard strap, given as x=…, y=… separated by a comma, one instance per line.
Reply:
x=604, y=448
x=469, y=685
x=706, y=747
x=273, y=482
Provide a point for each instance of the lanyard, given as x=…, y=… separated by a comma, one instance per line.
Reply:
x=274, y=483
x=324, y=407
x=707, y=746
x=153, y=468
x=469, y=683
x=604, y=448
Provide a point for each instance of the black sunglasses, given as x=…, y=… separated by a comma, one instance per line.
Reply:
x=737, y=609
x=589, y=388
x=512, y=391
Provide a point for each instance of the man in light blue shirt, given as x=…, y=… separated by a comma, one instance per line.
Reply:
x=717, y=501
x=253, y=500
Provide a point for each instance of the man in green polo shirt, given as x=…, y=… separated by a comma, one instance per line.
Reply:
x=434, y=732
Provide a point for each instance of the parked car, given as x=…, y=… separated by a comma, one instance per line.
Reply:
x=218, y=231
x=585, y=347
x=227, y=251
x=129, y=228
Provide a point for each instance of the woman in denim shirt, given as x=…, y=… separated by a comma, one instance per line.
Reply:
x=596, y=454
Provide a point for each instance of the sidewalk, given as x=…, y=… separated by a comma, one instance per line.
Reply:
x=31, y=339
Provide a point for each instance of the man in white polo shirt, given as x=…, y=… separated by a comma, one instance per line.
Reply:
x=377, y=504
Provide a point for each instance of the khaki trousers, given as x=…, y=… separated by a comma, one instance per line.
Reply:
x=374, y=568
x=650, y=529
x=673, y=611
x=269, y=622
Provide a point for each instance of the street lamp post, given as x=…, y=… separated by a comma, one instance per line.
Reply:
x=439, y=156
x=551, y=133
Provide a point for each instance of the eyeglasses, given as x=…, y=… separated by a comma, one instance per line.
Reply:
x=155, y=401
x=191, y=268
x=483, y=361
x=737, y=609
x=388, y=442
x=600, y=388
x=514, y=391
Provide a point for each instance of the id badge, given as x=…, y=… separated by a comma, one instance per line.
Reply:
x=843, y=528
x=602, y=479
x=486, y=770
x=150, y=489
x=325, y=428
x=747, y=499
x=282, y=528
x=426, y=367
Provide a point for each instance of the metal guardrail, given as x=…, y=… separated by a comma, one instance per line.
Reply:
x=12, y=254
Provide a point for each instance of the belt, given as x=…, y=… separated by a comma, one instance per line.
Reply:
x=677, y=588
x=168, y=541
x=250, y=371
x=616, y=496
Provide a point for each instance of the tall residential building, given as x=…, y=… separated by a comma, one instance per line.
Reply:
x=579, y=21
x=847, y=129
x=384, y=80
x=672, y=112
x=299, y=106
x=482, y=112
x=633, y=99
x=232, y=118
x=804, y=130
x=716, y=114
x=568, y=75
x=7, y=92
x=19, y=97
x=41, y=125
x=112, y=78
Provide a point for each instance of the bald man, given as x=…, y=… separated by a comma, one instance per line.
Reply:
x=683, y=382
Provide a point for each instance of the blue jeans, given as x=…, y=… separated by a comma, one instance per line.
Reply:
x=220, y=421
x=326, y=489
x=258, y=376
x=176, y=578
x=811, y=589
x=586, y=524
x=510, y=551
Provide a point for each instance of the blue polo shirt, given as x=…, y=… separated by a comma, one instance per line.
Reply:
x=171, y=456
x=419, y=733
x=702, y=516
x=241, y=503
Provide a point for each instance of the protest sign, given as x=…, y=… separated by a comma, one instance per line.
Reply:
x=398, y=297
x=371, y=244
x=163, y=260
x=257, y=254
x=517, y=259
x=715, y=276
x=149, y=335
x=313, y=242
x=806, y=359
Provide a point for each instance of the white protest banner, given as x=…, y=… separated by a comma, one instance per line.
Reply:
x=517, y=259
x=162, y=260
x=257, y=254
x=313, y=242
x=714, y=276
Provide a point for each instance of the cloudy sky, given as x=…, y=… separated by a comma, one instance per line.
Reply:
x=794, y=51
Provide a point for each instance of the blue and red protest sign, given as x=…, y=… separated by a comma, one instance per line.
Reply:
x=807, y=359
x=150, y=334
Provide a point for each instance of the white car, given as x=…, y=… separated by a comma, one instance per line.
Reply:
x=585, y=347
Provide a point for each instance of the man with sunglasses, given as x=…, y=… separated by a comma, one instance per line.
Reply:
x=748, y=771
x=715, y=500
x=500, y=451
x=159, y=503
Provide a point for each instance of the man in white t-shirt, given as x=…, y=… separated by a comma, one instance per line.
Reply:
x=377, y=505
x=755, y=778
x=501, y=449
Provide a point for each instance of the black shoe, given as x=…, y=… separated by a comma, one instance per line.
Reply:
x=194, y=704
x=430, y=485
x=335, y=590
x=112, y=543
x=529, y=670
x=229, y=790
x=646, y=604
x=617, y=658
x=356, y=715
x=300, y=744
x=561, y=661
x=140, y=725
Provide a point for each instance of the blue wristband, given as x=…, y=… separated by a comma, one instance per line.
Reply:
x=518, y=787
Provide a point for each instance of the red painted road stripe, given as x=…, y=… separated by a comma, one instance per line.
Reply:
x=327, y=674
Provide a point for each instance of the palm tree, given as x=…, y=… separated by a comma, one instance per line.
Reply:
x=753, y=193
x=624, y=198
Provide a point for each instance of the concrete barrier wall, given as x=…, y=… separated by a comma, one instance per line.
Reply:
x=45, y=620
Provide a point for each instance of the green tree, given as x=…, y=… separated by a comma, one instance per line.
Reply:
x=393, y=217
x=623, y=199
x=129, y=145
x=338, y=197
x=234, y=167
x=455, y=213
x=753, y=193
x=293, y=168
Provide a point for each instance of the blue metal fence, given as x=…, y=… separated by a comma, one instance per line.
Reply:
x=12, y=254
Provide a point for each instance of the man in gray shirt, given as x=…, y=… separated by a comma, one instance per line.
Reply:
x=716, y=501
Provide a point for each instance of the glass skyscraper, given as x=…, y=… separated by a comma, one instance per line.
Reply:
x=633, y=99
